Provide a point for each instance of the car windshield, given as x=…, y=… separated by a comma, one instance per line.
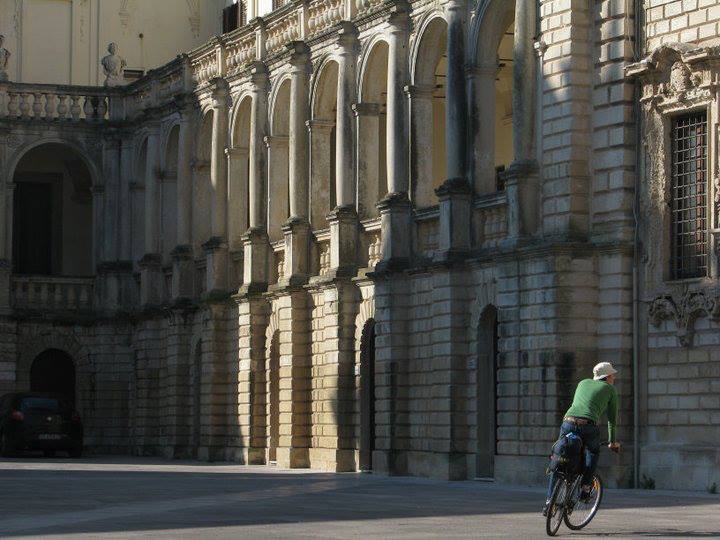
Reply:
x=40, y=404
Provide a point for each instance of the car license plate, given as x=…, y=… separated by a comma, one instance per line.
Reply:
x=49, y=437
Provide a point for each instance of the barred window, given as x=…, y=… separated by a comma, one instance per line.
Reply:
x=689, y=196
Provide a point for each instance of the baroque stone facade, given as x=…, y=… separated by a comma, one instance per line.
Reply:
x=372, y=235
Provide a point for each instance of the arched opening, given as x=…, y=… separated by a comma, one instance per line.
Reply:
x=486, y=392
x=53, y=371
x=196, y=389
x=273, y=397
x=53, y=213
x=239, y=175
x=427, y=105
x=168, y=194
x=371, y=128
x=367, y=395
x=278, y=163
x=493, y=88
x=322, y=146
x=202, y=188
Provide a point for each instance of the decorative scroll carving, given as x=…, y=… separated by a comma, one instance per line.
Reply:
x=691, y=306
x=678, y=76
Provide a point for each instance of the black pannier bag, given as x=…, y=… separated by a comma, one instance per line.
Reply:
x=566, y=455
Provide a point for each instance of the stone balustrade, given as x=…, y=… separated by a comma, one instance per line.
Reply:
x=58, y=103
x=323, y=14
x=52, y=293
x=428, y=230
x=490, y=217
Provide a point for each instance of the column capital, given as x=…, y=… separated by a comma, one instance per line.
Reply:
x=258, y=73
x=299, y=53
x=237, y=152
x=420, y=92
x=276, y=141
x=320, y=125
x=366, y=109
x=347, y=36
x=220, y=93
x=398, y=15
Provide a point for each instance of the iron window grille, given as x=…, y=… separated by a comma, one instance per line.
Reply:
x=689, y=196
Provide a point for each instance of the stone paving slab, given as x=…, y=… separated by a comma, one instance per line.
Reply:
x=146, y=498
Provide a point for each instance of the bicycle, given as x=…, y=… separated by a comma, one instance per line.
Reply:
x=566, y=504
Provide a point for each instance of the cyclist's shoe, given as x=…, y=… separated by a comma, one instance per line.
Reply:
x=585, y=494
x=546, y=508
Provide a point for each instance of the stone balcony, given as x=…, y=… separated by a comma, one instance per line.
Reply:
x=52, y=293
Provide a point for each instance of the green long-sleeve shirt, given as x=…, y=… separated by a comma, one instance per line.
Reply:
x=592, y=399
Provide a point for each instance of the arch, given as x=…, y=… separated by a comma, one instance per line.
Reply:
x=367, y=395
x=371, y=129
x=492, y=55
x=322, y=143
x=486, y=392
x=52, y=230
x=279, y=161
x=427, y=112
x=73, y=144
x=239, y=172
x=53, y=371
x=32, y=343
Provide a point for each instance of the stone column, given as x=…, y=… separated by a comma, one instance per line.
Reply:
x=182, y=254
x=255, y=242
x=343, y=219
x=395, y=207
x=297, y=229
x=107, y=289
x=237, y=164
x=455, y=194
x=151, y=279
x=482, y=78
x=522, y=178
x=216, y=248
x=6, y=232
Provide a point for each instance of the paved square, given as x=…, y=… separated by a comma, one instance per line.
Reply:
x=133, y=498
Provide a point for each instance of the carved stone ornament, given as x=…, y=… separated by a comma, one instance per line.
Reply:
x=4, y=58
x=114, y=67
x=677, y=76
x=690, y=307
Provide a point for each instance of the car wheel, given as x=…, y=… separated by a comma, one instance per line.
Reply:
x=6, y=447
x=76, y=452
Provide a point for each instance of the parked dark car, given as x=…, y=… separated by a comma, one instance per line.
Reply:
x=38, y=421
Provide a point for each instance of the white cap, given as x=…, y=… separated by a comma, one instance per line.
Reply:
x=602, y=370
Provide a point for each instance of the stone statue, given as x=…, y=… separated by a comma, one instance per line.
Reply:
x=114, y=66
x=4, y=56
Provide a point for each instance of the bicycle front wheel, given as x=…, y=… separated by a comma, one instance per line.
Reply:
x=556, y=507
x=579, y=513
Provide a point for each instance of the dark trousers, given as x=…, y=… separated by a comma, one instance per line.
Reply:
x=590, y=435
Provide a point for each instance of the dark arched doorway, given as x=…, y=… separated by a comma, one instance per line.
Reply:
x=52, y=229
x=273, y=397
x=367, y=395
x=486, y=383
x=53, y=371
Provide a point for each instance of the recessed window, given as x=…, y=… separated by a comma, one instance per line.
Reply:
x=689, y=196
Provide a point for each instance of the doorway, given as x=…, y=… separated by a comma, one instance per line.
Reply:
x=486, y=394
x=53, y=371
x=367, y=395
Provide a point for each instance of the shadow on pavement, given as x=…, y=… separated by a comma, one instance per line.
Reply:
x=96, y=495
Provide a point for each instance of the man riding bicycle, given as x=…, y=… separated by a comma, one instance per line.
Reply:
x=593, y=397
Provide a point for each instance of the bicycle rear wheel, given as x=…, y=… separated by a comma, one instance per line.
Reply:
x=580, y=513
x=556, y=507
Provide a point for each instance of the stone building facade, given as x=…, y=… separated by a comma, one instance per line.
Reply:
x=356, y=234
